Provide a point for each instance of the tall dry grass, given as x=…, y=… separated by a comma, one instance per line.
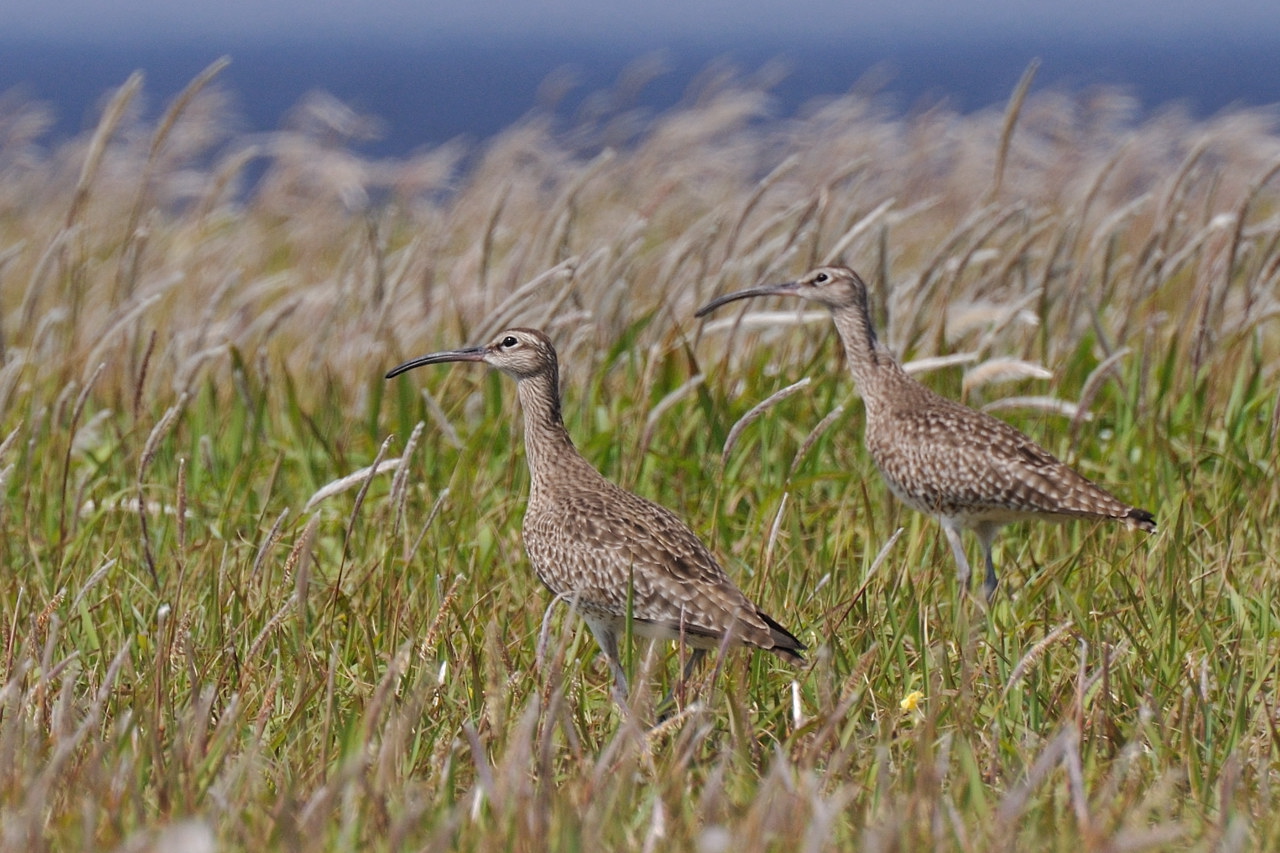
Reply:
x=254, y=597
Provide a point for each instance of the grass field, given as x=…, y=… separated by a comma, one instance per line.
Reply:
x=253, y=596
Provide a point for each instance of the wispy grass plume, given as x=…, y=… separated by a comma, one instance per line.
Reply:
x=222, y=625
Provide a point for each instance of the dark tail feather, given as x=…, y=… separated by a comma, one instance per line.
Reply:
x=1141, y=519
x=784, y=642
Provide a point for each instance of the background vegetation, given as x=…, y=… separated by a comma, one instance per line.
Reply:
x=253, y=596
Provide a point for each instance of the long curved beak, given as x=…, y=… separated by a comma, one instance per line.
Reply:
x=767, y=290
x=468, y=354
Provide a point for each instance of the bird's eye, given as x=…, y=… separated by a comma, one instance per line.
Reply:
x=509, y=341
x=821, y=278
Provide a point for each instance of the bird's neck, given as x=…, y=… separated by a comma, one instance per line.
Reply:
x=870, y=361
x=548, y=448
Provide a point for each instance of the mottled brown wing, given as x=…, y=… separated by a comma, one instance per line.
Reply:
x=598, y=544
x=949, y=458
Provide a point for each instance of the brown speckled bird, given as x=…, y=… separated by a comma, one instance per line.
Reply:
x=594, y=544
x=939, y=457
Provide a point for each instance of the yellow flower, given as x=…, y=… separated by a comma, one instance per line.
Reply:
x=911, y=701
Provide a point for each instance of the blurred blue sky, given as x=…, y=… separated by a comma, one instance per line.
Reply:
x=433, y=71
x=727, y=19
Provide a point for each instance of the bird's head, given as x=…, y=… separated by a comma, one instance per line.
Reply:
x=520, y=353
x=834, y=287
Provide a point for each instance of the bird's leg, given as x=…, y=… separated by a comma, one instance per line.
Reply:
x=668, y=704
x=986, y=536
x=691, y=664
x=608, y=640
x=544, y=635
x=621, y=690
x=957, y=548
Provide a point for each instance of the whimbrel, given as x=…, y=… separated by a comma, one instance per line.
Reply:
x=604, y=549
x=939, y=457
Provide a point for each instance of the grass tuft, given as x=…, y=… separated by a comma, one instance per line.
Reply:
x=256, y=597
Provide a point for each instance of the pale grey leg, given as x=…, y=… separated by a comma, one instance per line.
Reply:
x=986, y=536
x=608, y=640
x=957, y=548
x=544, y=635
x=692, y=663
x=667, y=705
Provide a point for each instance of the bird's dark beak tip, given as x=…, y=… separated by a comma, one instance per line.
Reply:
x=473, y=354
